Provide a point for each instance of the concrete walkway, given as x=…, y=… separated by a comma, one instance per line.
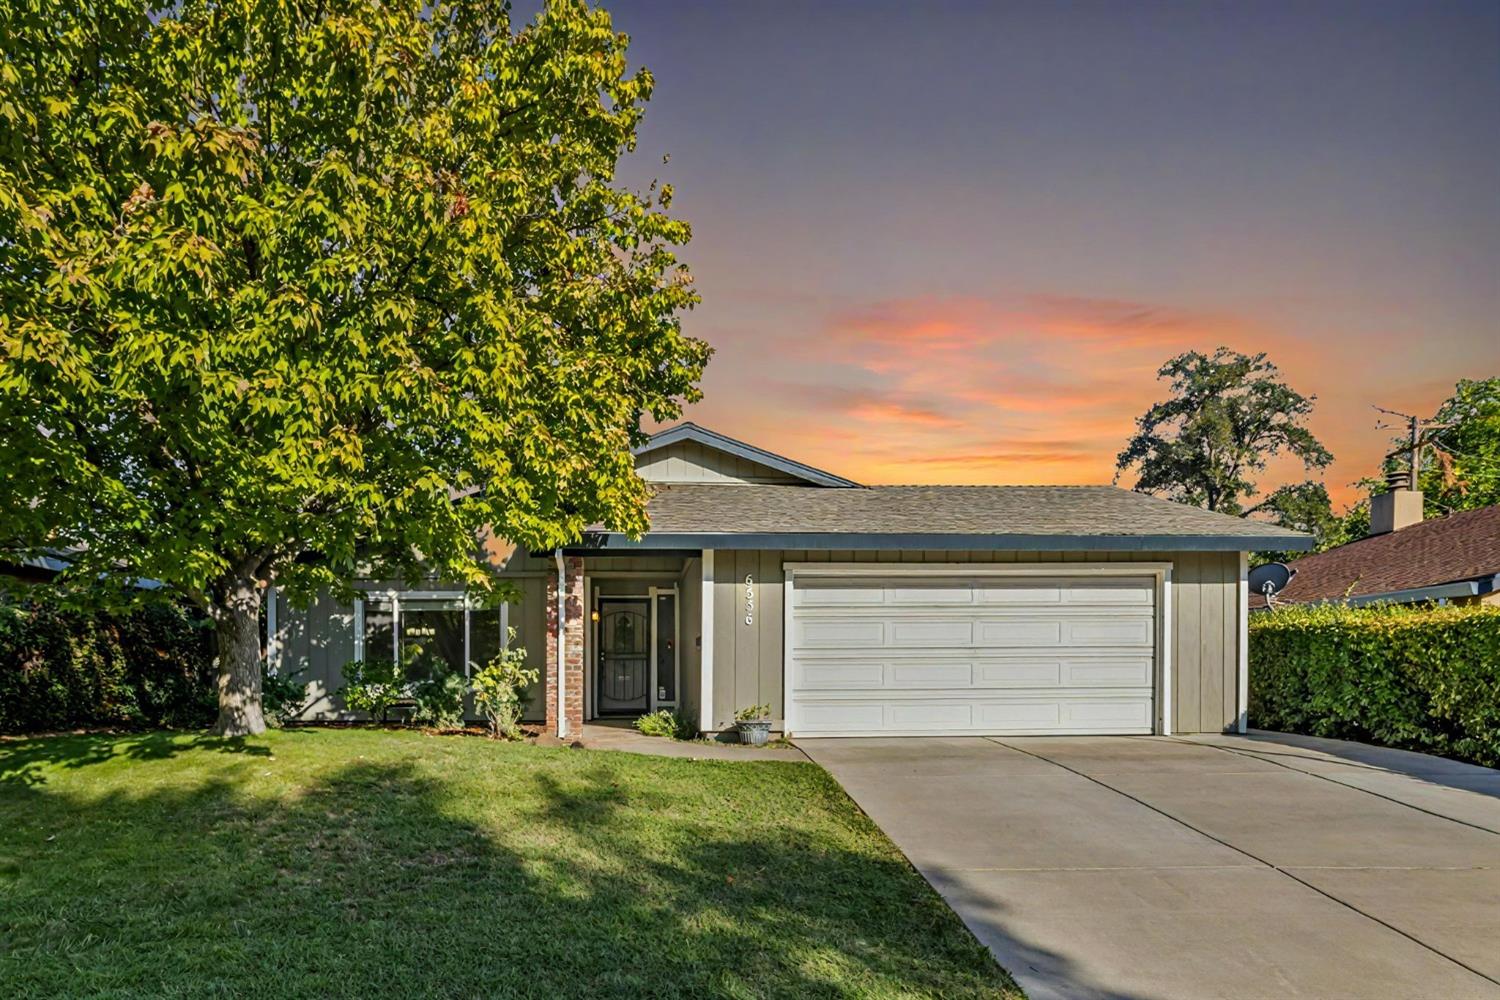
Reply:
x=1259, y=866
x=622, y=736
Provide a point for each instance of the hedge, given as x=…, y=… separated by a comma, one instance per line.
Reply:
x=1416, y=677
x=65, y=669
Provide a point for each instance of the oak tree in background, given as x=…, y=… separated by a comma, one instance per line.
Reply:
x=294, y=290
x=1227, y=415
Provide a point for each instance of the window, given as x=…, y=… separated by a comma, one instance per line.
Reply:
x=428, y=627
x=485, y=635
x=432, y=632
x=666, y=648
x=379, y=636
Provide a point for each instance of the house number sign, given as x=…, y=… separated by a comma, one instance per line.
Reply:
x=749, y=599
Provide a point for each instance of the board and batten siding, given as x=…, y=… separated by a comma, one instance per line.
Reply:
x=690, y=637
x=319, y=640
x=747, y=656
x=691, y=462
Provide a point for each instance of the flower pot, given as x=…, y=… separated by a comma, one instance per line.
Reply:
x=755, y=732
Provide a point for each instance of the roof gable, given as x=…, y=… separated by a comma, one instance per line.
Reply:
x=688, y=453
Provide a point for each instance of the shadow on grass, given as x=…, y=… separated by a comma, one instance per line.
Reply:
x=23, y=761
x=387, y=878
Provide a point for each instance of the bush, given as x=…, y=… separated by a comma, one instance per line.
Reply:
x=673, y=725
x=282, y=697
x=64, y=669
x=439, y=699
x=497, y=688
x=1420, y=678
x=372, y=687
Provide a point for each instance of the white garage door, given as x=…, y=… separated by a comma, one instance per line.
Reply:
x=924, y=655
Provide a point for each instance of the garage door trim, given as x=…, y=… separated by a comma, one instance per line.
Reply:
x=1161, y=572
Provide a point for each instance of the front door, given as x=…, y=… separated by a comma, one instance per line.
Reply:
x=624, y=678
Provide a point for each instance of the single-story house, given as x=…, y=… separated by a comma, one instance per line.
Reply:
x=850, y=610
x=1405, y=559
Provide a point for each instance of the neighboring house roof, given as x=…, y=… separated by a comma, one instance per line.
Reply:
x=1039, y=518
x=1453, y=556
x=689, y=431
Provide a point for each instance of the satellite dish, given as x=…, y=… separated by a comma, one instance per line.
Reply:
x=1270, y=579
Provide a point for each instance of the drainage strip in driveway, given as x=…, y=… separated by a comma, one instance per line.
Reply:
x=1151, y=867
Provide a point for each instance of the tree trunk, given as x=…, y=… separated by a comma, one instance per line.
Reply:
x=236, y=614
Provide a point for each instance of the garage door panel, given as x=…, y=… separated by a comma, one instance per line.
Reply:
x=1019, y=673
x=1107, y=673
x=937, y=632
x=1123, y=714
x=1019, y=632
x=834, y=675
x=941, y=716
x=1007, y=715
x=957, y=593
x=1125, y=592
x=1010, y=595
x=843, y=593
x=1111, y=632
x=842, y=717
x=915, y=655
x=841, y=633
x=951, y=716
x=929, y=674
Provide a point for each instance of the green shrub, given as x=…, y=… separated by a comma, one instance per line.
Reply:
x=62, y=668
x=439, y=699
x=372, y=687
x=1420, y=678
x=282, y=697
x=498, y=687
x=753, y=713
x=674, y=725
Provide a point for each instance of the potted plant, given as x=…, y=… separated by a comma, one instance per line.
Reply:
x=754, y=724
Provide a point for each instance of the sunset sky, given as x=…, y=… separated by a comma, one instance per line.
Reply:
x=951, y=243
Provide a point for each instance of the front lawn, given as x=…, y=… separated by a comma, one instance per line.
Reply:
x=371, y=863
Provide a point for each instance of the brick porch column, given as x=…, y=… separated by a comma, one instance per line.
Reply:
x=573, y=647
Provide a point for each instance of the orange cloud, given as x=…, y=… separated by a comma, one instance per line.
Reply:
x=1033, y=389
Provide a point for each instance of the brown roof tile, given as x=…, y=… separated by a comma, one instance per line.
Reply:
x=1464, y=546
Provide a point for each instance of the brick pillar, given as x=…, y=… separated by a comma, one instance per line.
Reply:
x=572, y=640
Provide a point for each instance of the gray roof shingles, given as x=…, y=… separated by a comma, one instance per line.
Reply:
x=1017, y=511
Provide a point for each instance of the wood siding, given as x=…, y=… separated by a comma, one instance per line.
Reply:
x=747, y=659
x=691, y=462
x=690, y=616
x=319, y=640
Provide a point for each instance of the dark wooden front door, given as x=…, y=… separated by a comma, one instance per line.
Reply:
x=624, y=677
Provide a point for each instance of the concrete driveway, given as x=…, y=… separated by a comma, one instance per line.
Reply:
x=1222, y=866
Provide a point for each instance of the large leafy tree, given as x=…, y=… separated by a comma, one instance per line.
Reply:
x=1461, y=458
x=1227, y=415
x=296, y=289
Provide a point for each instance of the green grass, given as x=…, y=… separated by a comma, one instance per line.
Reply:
x=373, y=863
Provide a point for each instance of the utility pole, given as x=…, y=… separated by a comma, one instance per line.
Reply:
x=1415, y=426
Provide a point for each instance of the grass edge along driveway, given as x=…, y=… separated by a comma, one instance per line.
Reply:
x=364, y=863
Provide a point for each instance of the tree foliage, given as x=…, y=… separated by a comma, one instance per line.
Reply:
x=1227, y=415
x=294, y=290
x=1461, y=465
x=1304, y=507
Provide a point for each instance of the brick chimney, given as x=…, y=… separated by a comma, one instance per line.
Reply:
x=1396, y=509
